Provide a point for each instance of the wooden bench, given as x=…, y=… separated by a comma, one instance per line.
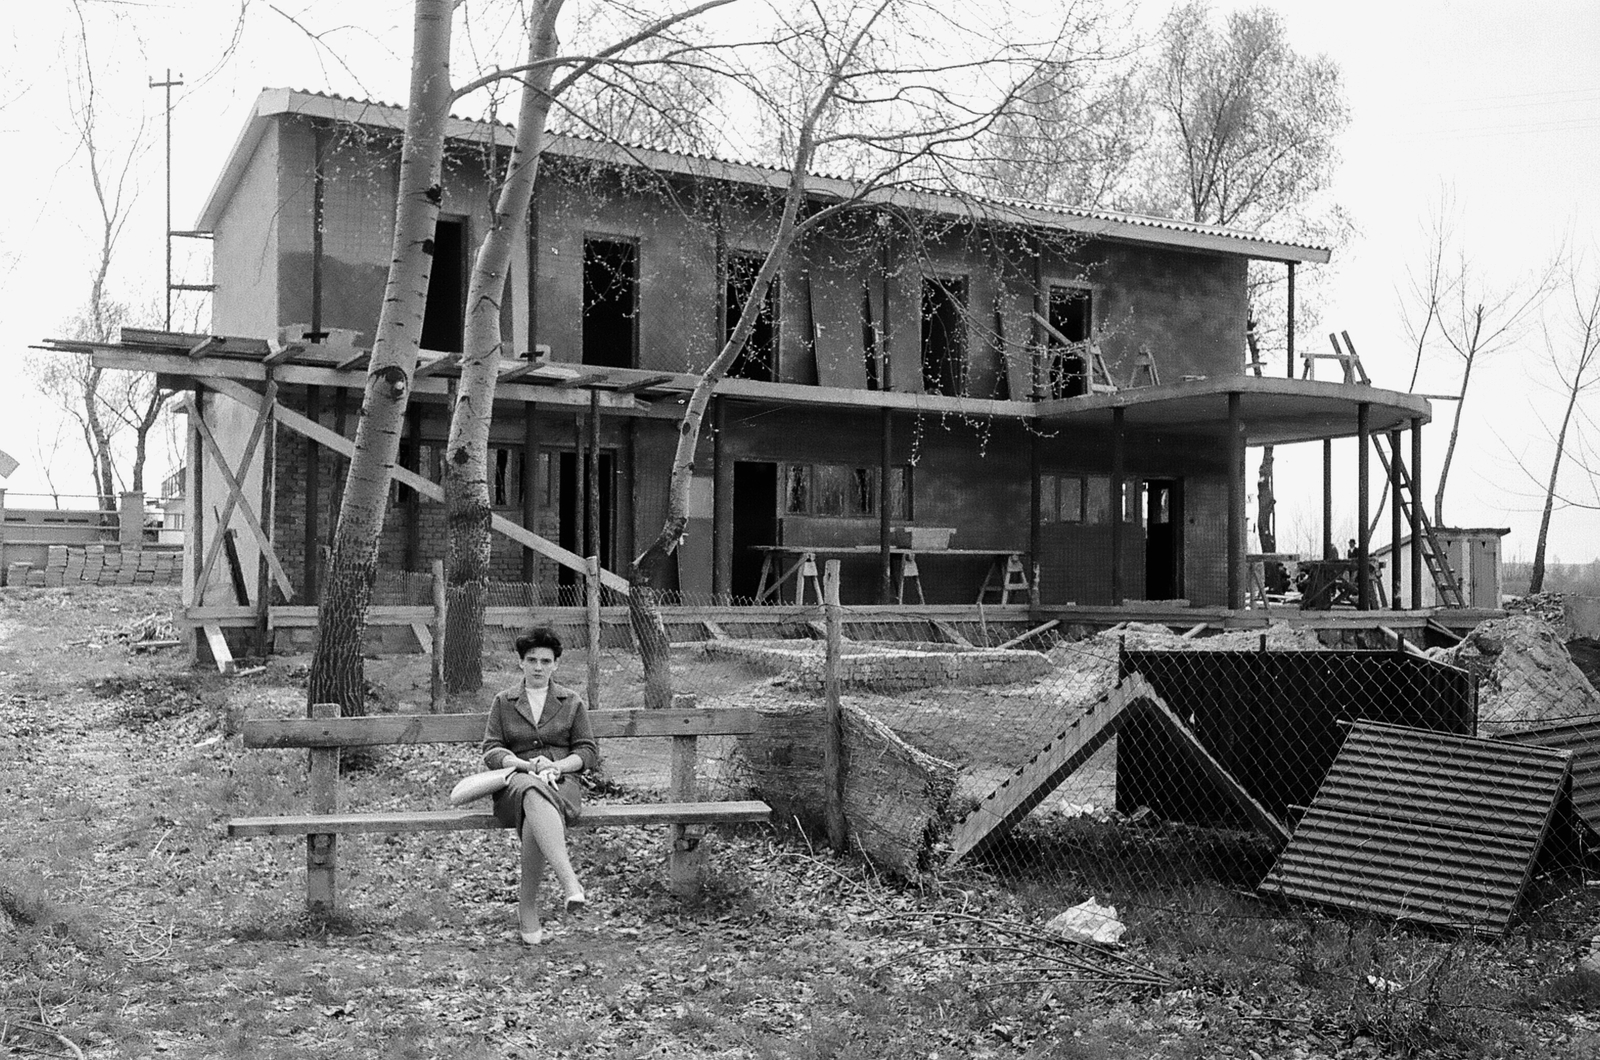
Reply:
x=324, y=733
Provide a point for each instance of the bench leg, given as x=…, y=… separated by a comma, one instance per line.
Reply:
x=322, y=863
x=685, y=861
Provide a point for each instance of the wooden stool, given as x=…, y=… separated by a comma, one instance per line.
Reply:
x=1013, y=579
x=908, y=569
x=808, y=569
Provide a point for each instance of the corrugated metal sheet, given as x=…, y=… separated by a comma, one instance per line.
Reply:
x=1424, y=826
x=1581, y=736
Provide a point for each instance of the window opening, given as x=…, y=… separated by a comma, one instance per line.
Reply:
x=944, y=352
x=759, y=356
x=444, y=318
x=842, y=490
x=610, y=302
x=1071, y=314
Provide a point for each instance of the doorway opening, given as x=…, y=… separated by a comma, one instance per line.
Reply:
x=444, y=319
x=1070, y=315
x=755, y=522
x=610, y=302
x=573, y=512
x=944, y=347
x=1163, y=539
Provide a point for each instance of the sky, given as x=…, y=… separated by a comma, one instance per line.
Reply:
x=1454, y=98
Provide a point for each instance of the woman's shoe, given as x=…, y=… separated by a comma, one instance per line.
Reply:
x=577, y=904
x=533, y=938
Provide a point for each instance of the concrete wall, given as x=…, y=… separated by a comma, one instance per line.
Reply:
x=245, y=250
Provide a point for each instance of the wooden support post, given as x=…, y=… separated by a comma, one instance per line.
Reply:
x=1289, y=331
x=721, y=506
x=436, y=663
x=1119, y=502
x=194, y=511
x=530, y=471
x=591, y=583
x=1416, y=513
x=1035, y=513
x=1327, y=498
x=591, y=476
x=322, y=851
x=413, y=506
x=269, y=457
x=1363, y=500
x=1394, y=518
x=833, y=733
x=310, y=541
x=685, y=856
x=1236, y=550
x=885, y=470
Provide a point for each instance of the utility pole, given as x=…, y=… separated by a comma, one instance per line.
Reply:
x=169, y=84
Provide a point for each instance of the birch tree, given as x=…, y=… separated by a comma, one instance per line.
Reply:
x=466, y=480
x=337, y=675
x=1574, y=363
x=890, y=94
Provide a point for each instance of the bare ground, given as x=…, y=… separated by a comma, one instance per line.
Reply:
x=130, y=927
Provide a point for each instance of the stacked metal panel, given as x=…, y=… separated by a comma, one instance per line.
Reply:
x=1581, y=736
x=1424, y=826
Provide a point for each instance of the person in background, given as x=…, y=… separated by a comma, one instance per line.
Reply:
x=542, y=730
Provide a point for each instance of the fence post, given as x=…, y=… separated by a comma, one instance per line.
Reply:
x=592, y=585
x=436, y=662
x=833, y=735
x=322, y=851
x=130, y=521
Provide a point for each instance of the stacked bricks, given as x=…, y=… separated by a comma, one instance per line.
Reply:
x=99, y=565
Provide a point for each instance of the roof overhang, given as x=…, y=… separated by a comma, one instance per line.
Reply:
x=274, y=103
x=1272, y=411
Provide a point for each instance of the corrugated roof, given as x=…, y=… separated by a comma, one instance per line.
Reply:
x=1424, y=826
x=274, y=102
x=1580, y=736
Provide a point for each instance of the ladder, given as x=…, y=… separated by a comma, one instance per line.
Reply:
x=1444, y=579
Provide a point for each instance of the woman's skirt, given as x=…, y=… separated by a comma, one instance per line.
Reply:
x=566, y=797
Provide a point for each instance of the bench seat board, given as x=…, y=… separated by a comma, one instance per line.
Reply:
x=594, y=816
x=376, y=730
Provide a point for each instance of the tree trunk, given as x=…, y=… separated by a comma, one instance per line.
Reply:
x=1450, y=449
x=1536, y=583
x=336, y=667
x=466, y=482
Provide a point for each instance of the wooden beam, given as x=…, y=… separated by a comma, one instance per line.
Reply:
x=595, y=815
x=357, y=360
x=374, y=730
x=437, y=364
x=641, y=384
x=282, y=355
x=424, y=636
x=205, y=346
x=1034, y=632
x=219, y=648
x=427, y=487
x=236, y=498
x=1258, y=814
x=951, y=633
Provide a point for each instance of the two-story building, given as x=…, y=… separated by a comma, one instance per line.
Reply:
x=1065, y=389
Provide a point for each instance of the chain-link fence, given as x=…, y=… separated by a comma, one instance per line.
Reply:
x=1409, y=826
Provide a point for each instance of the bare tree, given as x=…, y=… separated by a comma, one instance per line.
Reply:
x=1245, y=138
x=1471, y=316
x=337, y=675
x=466, y=482
x=1573, y=362
x=894, y=93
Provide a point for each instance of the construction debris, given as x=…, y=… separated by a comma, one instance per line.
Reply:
x=1526, y=676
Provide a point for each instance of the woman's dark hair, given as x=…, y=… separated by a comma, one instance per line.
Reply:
x=538, y=637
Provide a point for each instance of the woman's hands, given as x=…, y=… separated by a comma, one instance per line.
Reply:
x=536, y=765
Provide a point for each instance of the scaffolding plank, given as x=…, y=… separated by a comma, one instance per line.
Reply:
x=1425, y=826
x=1060, y=756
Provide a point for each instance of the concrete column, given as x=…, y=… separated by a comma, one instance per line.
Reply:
x=130, y=521
x=1289, y=334
x=885, y=516
x=721, y=505
x=1118, y=501
x=1363, y=538
x=1416, y=513
x=1236, y=543
x=1327, y=498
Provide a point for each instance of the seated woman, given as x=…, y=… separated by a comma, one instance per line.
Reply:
x=542, y=730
